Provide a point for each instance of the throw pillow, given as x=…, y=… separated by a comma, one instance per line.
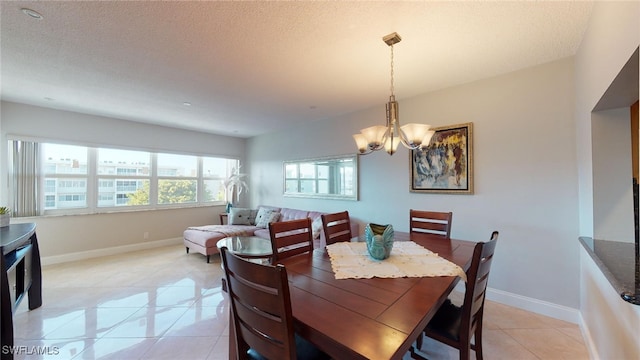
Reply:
x=316, y=227
x=239, y=216
x=265, y=217
x=262, y=212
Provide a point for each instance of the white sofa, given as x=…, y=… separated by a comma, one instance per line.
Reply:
x=203, y=239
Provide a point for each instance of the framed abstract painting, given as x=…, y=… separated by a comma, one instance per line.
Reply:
x=446, y=165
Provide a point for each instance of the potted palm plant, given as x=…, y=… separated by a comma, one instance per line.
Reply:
x=5, y=215
x=234, y=186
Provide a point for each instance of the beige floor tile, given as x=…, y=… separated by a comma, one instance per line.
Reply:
x=507, y=317
x=171, y=348
x=220, y=350
x=497, y=344
x=549, y=343
x=134, y=306
x=574, y=332
x=118, y=349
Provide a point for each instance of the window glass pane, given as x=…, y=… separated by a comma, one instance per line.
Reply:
x=330, y=177
x=213, y=190
x=49, y=201
x=323, y=171
x=177, y=165
x=130, y=192
x=64, y=159
x=176, y=191
x=122, y=192
x=291, y=186
x=307, y=186
x=65, y=193
x=323, y=186
x=217, y=167
x=307, y=171
x=291, y=171
x=124, y=162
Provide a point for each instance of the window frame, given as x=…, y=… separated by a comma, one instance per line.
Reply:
x=333, y=179
x=93, y=180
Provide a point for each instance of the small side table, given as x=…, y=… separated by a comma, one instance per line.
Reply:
x=254, y=248
x=249, y=247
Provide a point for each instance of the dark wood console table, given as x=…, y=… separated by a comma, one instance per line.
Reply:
x=21, y=275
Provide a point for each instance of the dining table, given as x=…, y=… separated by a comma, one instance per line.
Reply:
x=367, y=318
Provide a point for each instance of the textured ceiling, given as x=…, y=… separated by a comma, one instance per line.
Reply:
x=250, y=68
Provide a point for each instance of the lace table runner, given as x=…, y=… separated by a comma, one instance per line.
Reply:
x=351, y=260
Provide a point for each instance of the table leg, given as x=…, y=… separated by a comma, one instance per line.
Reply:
x=6, y=315
x=35, y=291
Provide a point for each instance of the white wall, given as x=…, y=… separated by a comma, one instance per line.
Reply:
x=610, y=40
x=92, y=235
x=525, y=174
x=612, y=190
x=611, y=324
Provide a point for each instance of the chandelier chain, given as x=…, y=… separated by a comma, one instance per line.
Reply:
x=391, y=87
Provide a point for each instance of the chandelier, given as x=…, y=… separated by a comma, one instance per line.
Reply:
x=412, y=136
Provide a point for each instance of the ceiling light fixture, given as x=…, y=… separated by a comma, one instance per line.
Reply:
x=32, y=13
x=412, y=136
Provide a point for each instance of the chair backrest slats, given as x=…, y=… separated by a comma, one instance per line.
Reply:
x=431, y=222
x=261, y=307
x=476, y=287
x=337, y=227
x=290, y=238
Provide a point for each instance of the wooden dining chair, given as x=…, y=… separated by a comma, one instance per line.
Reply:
x=430, y=222
x=454, y=325
x=290, y=238
x=337, y=227
x=261, y=311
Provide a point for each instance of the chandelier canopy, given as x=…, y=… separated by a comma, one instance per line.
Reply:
x=378, y=137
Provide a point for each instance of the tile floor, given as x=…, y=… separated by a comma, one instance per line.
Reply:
x=165, y=304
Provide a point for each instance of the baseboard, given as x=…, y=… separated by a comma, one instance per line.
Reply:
x=83, y=255
x=530, y=304
x=588, y=340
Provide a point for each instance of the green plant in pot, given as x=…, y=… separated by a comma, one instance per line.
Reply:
x=5, y=215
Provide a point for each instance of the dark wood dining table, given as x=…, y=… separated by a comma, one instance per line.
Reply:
x=377, y=318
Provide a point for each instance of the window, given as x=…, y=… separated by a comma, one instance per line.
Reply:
x=334, y=177
x=65, y=176
x=177, y=179
x=124, y=177
x=78, y=179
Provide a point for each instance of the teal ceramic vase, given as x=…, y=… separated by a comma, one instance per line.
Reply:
x=379, y=240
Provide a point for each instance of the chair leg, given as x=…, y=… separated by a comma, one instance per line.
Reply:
x=187, y=250
x=208, y=258
x=478, y=342
x=415, y=355
x=419, y=341
x=465, y=352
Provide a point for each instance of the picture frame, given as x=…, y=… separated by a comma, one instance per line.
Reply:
x=446, y=165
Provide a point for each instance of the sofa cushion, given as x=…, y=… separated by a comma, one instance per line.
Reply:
x=208, y=235
x=240, y=216
x=263, y=233
x=287, y=214
x=265, y=217
x=316, y=227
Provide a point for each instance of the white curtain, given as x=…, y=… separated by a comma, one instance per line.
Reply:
x=26, y=178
